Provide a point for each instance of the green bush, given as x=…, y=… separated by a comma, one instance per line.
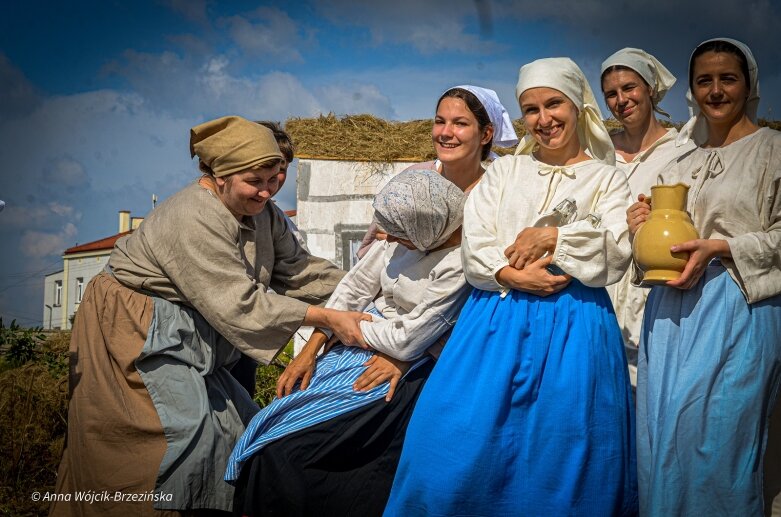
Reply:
x=20, y=344
x=266, y=380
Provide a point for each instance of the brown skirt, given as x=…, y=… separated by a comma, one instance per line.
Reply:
x=115, y=440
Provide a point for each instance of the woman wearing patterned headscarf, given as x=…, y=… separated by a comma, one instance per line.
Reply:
x=634, y=83
x=154, y=411
x=709, y=364
x=529, y=411
x=331, y=444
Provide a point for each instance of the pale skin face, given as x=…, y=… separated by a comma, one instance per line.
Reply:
x=628, y=97
x=719, y=87
x=456, y=133
x=245, y=193
x=552, y=120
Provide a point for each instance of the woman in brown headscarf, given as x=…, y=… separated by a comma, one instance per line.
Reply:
x=154, y=411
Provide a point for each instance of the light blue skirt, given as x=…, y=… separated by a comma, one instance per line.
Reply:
x=528, y=412
x=708, y=375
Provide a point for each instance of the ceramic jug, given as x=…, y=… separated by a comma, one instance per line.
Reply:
x=668, y=224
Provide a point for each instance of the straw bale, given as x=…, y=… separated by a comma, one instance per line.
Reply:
x=361, y=138
x=366, y=138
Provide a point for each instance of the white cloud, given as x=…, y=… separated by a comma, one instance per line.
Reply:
x=267, y=34
x=67, y=172
x=355, y=99
x=193, y=10
x=430, y=27
x=39, y=216
x=42, y=244
x=17, y=95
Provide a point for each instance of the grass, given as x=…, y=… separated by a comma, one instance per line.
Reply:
x=33, y=419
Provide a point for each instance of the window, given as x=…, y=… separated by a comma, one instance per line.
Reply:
x=355, y=245
x=79, y=289
x=57, y=293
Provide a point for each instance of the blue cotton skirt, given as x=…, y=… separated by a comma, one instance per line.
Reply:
x=528, y=412
x=708, y=376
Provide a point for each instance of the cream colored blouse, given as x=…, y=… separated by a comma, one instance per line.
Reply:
x=421, y=295
x=516, y=190
x=735, y=195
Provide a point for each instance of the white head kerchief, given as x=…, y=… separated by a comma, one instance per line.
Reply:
x=696, y=128
x=504, y=132
x=562, y=74
x=650, y=69
x=420, y=206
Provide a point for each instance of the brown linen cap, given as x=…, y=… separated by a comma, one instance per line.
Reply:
x=231, y=144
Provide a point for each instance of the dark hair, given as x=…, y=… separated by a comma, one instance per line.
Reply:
x=616, y=68
x=284, y=141
x=720, y=46
x=474, y=105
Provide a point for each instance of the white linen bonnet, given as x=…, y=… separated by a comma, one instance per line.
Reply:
x=653, y=72
x=562, y=74
x=696, y=128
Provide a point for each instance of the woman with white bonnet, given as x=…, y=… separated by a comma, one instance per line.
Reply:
x=709, y=364
x=634, y=83
x=154, y=411
x=468, y=121
x=330, y=444
x=529, y=410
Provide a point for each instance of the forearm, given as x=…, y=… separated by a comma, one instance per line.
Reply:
x=315, y=343
x=318, y=317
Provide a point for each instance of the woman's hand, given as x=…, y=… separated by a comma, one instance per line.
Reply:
x=382, y=368
x=344, y=324
x=701, y=251
x=301, y=367
x=637, y=214
x=347, y=329
x=534, y=278
x=530, y=245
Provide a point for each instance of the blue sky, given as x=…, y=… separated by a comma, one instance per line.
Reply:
x=97, y=98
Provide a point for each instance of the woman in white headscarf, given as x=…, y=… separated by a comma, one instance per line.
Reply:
x=708, y=370
x=330, y=444
x=468, y=121
x=633, y=84
x=529, y=411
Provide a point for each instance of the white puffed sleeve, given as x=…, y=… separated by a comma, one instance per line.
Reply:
x=407, y=337
x=481, y=250
x=599, y=256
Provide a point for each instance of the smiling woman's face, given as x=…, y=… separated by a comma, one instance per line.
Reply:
x=719, y=87
x=628, y=97
x=550, y=117
x=246, y=193
x=456, y=132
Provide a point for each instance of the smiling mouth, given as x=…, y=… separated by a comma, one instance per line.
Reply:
x=447, y=145
x=550, y=132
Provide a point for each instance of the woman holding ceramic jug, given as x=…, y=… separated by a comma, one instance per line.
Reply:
x=633, y=84
x=708, y=371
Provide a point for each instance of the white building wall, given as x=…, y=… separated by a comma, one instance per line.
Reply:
x=52, y=311
x=334, y=203
x=82, y=266
x=334, y=209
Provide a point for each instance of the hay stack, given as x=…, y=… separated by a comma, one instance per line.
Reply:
x=366, y=138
